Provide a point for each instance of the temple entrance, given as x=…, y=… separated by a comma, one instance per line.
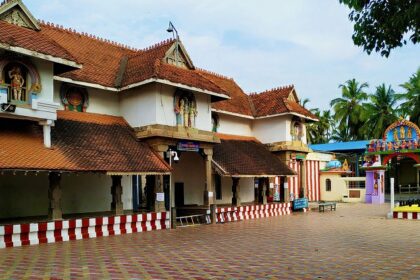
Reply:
x=179, y=194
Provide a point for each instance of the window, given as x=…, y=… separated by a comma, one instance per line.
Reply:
x=218, y=186
x=328, y=185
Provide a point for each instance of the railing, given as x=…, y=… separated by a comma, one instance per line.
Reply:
x=413, y=188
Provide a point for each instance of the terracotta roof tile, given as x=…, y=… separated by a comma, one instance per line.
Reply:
x=276, y=101
x=239, y=102
x=81, y=142
x=234, y=159
x=100, y=58
x=37, y=41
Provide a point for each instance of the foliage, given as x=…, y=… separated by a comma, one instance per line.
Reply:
x=382, y=25
x=380, y=112
x=349, y=111
x=411, y=98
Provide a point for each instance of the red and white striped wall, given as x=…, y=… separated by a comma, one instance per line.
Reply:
x=231, y=214
x=294, y=181
x=312, y=179
x=57, y=231
x=407, y=215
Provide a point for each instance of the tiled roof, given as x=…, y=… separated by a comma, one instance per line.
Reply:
x=271, y=102
x=82, y=142
x=232, y=157
x=101, y=59
x=17, y=36
x=275, y=101
x=239, y=102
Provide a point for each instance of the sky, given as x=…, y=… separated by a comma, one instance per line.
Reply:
x=262, y=44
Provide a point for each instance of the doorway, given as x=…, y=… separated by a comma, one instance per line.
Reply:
x=179, y=194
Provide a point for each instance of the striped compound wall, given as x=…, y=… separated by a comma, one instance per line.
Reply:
x=407, y=215
x=231, y=214
x=51, y=232
x=312, y=179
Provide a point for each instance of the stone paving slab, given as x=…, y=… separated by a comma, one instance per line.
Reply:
x=354, y=242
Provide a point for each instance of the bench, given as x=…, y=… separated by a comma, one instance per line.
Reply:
x=322, y=206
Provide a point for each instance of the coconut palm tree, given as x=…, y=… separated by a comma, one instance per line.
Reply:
x=411, y=98
x=320, y=132
x=380, y=112
x=349, y=109
x=340, y=135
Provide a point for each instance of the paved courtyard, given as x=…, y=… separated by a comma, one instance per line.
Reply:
x=355, y=242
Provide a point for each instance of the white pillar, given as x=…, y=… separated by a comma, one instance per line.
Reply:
x=46, y=127
x=391, y=213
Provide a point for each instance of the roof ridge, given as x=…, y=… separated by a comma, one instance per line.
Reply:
x=213, y=73
x=215, y=84
x=291, y=86
x=158, y=44
x=87, y=35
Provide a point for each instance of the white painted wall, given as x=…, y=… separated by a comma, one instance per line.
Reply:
x=275, y=129
x=338, y=189
x=234, y=125
x=100, y=101
x=45, y=70
x=154, y=104
x=26, y=196
x=190, y=170
x=246, y=192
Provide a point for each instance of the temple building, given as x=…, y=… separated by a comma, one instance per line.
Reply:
x=96, y=130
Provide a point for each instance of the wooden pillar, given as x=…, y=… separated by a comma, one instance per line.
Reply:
x=116, y=192
x=303, y=190
x=236, y=199
x=208, y=186
x=54, y=196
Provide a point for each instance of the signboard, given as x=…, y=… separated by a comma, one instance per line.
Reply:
x=160, y=196
x=210, y=194
x=286, y=185
x=188, y=146
x=271, y=185
x=300, y=203
x=3, y=95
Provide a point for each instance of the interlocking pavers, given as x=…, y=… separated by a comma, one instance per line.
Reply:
x=355, y=242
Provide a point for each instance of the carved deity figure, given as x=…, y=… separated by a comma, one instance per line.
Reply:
x=181, y=112
x=396, y=135
x=409, y=134
x=402, y=132
x=186, y=112
x=16, y=83
x=192, y=114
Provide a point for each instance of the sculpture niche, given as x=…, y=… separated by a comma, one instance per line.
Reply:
x=185, y=108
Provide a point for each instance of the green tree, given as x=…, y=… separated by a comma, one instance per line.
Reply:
x=382, y=25
x=411, y=98
x=320, y=132
x=349, y=111
x=340, y=135
x=380, y=112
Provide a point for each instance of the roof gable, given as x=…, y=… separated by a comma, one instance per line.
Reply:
x=178, y=53
x=15, y=12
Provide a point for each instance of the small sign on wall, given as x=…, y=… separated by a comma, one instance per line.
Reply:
x=286, y=185
x=160, y=196
x=271, y=185
x=210, y=194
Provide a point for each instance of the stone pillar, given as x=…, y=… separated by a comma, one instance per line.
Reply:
x=116, y=192
x=54, y=196
x=159, y=205
x=236, y=199
x=303, y=189
x=208, y=186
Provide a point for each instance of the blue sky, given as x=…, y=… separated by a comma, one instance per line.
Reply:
x=261, y=44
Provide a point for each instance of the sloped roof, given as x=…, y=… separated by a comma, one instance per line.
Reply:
x=232, y=157
x=15, y=36
x=82, y=142
x=239, y=102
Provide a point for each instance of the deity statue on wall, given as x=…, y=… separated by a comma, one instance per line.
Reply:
x=74, y=98
x=185, y=108
x=16, y=83
x=402, y=132
x=409, y=133
x=396, y=135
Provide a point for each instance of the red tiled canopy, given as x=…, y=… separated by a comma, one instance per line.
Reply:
x=246, y=157
x=81, y=142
